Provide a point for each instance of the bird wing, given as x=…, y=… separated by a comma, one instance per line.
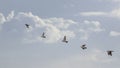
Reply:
x=64, y=38
x=83, y=45
x=27, y=25
x=43, y=34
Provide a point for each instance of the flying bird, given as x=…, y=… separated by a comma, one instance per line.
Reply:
x=110, y=52
x=43, y=35
x=84, y=46
x=27, y=25
x=64, y=40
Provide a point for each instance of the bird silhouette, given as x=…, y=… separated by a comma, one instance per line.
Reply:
x=43, y=35
x=109, y=52
x=84, y=46
x=64, y=40
x=27, y=25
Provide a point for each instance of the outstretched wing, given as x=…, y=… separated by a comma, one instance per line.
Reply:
x=84, y=46
x=43, y=34
x=27, y=25
x=110, y=52
x=64, y=38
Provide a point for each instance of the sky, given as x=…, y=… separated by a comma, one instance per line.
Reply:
x=95, y=23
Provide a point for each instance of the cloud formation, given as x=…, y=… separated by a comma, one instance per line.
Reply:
x=55, y=28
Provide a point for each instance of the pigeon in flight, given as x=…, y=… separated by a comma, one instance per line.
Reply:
x=84, y=46
x=27, y=25
x=110, y=52
x=43, y=35
x=64, y=40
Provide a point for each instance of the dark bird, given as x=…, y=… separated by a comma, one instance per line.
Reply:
x=110, y=52
x=27, y=25
x=43, y=35
x=64, y=40
x=84, y=46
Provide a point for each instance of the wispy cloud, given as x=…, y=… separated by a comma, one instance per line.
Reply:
x=114, y=13
x=114, y=33
x=93, y=13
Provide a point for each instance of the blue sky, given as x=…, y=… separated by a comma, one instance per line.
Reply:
x=91, y=22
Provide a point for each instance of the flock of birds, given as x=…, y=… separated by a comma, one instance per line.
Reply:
x=109, y=52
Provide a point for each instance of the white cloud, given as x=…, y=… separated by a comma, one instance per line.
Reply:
x=55, y=34
x=55, y=28
x=89, y=27
x=93, y=13
x=94, y=26
x=114, y=13
x=2, y=18
x=60, y=22
x=10, y=16
x=38, y=21
x=114, y=33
